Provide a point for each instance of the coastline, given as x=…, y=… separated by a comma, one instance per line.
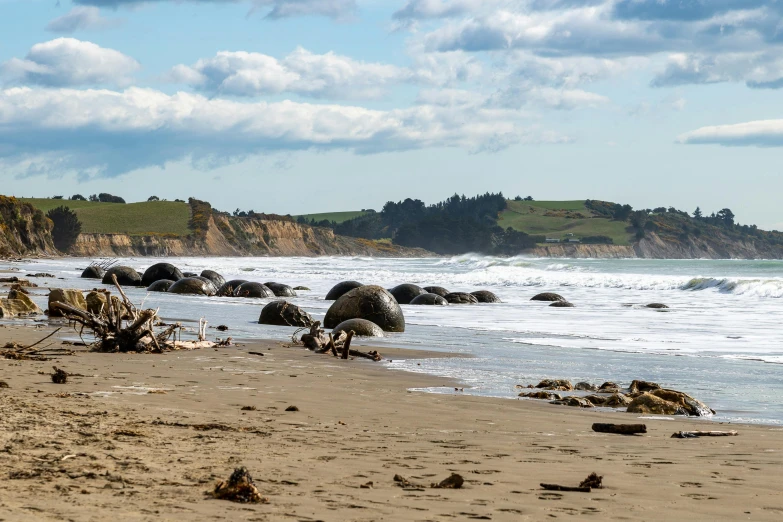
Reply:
x=101, y=446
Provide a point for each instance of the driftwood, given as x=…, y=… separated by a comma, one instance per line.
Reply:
x=319, y=341
x=121, y=327
x=620, y=429
x=694, y=434
x=593, y=480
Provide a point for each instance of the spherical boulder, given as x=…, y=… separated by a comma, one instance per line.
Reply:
x=193, y=286
x=437, y=290
x=485, y=296
x=189, y=274
x=126, y=276
x=341, y=289
x=252, y=289
x=371, y=302
x=280, y=289
x=548, y=296
x=429, y=299
x=405, y=293
x=561, y=304
x=229, y=287
x=460, y=298
x=160, y=286
x=160, y=271
x=217, y=279
x=93, y=272
x=360, y=327
x=283, y=313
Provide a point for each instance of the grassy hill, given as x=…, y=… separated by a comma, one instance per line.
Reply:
x=554, y=219
x=135, y=219
x=337, y=217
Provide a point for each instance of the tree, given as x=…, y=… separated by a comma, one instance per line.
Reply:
x=697, y=213
x=639, y=219
x=518, y=198
x=78, y=197
x=108, y=198
x=621, y=212
x=726, y=216
x=67, y=227
x=153, y=198
x=94, y=197
x=529, y=198
x=57, y=197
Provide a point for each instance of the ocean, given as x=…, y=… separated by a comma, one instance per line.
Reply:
x=720, y=340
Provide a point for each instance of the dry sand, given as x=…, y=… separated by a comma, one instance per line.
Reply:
x=143, y=437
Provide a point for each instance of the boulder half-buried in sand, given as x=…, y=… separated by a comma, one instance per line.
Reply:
x=373, y=303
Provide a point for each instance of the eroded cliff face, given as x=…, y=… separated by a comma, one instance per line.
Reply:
x=705, y=247
x=579, y=251
x=24, y=231
x=227, y=236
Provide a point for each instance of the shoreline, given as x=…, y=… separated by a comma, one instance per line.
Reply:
x=103, y=446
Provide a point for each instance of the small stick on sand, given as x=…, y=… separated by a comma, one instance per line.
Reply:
x=347, y=345
x=694, y=434
x=557, y=487
x=620, y=429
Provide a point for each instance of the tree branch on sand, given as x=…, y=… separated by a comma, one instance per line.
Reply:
x=133, y=330
x=319, y=341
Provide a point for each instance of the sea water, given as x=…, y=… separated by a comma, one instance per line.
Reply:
x=719, y=341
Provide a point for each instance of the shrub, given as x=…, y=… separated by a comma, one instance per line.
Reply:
x=67, y=227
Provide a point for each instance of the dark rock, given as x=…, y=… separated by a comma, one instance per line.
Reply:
x=658, y=306
x=253, y=290
x=485, y=296
x=126, y=276
x=437, y=290
x=555, y=384
x=460, y=298
x=283, y=313
x=548, y=296
x=618, y=400
x=360, y=327
x=648, y=403
x=228, y=288
x=281, y=290
x=292, y=408
x=405, y=293
x=429, y=299
x=544, y=395
x=577, y=402
x=160, y=286
x=193, y=286
x=341, y=289
x=688, y=404
x=209, y=282
x=41, y=274
x=303, y=288
x=160, y=271
x=367, y=302
x=217, y=279
x=609, y=387
x=561, y=304
x=643, y=386
x=585, y=386
x=189, y=274
x=93, y=272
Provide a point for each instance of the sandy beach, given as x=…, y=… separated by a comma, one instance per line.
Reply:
x=144, y=437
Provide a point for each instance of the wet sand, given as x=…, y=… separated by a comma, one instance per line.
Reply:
x=144, y=437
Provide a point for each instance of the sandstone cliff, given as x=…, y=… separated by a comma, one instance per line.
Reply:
x=228, y=236
x=24, y=231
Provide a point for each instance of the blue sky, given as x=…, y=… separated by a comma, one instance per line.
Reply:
x=297, y=106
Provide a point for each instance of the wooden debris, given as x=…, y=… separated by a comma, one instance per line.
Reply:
x=593, y=480
x=406, y=484
x=319, y=341
x=455, y=481
x=620, y=429
x=695, y=434
x=239, y=488
x=59, y=376
x=121, y=327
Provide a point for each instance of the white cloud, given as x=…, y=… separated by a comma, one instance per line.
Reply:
x=115, y=132
x=757, y=69
x=80, y=18
x=301, y=72
x=763, y=133
x=70, y=62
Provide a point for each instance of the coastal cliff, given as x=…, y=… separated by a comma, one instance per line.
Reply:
x=221, y=235
x=579, y=251
x=715, y=246
x=24, y=230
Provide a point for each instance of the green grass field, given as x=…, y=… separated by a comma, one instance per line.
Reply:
x=135, y=219
x=337, y=217
x=531, y=217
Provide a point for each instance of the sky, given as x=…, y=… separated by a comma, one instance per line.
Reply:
x=304, y=106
